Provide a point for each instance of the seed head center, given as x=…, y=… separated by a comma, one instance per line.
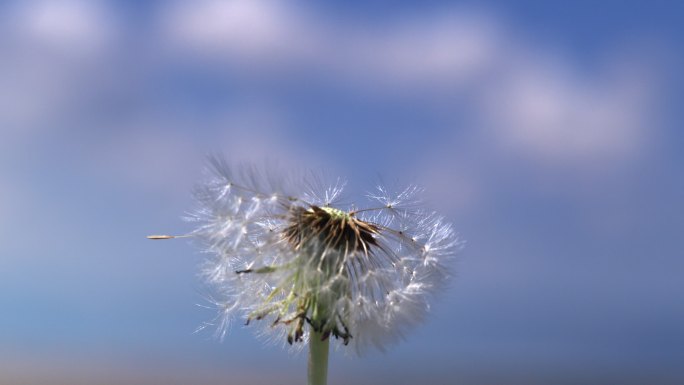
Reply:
x=330, y=227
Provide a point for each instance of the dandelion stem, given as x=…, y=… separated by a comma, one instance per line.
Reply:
x=318, y=359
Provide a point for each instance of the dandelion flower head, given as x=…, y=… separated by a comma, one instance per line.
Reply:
x=284, y=254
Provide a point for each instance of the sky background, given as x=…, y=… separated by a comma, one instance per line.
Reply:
x=548, y=132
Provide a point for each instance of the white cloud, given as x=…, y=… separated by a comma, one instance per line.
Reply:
x=242, y=29
x=549, y=111
x=532, y=102
x=65, y=24
x=53, y=55
x=158, y=154
x=272, y=34
x=525, y=100
x=538, y=105
x=439, y=51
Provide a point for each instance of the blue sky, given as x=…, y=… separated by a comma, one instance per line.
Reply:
x=547, y=132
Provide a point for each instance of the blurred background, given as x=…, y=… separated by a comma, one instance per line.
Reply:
x=547, y=131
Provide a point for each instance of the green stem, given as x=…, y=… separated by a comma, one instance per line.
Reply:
x=318, y=359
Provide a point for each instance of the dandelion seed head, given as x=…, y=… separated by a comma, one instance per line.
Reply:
x=288, y=259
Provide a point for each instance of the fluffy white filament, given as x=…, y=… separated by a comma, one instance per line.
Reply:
x=368, y=294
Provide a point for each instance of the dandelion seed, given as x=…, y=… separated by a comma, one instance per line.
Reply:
x=288, y=257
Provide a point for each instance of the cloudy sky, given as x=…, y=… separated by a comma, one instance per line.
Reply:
x=548, y=133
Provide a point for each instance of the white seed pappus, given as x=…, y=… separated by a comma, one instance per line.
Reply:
x=287, y=258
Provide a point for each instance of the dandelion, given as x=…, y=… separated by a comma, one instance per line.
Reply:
x=288, y=256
